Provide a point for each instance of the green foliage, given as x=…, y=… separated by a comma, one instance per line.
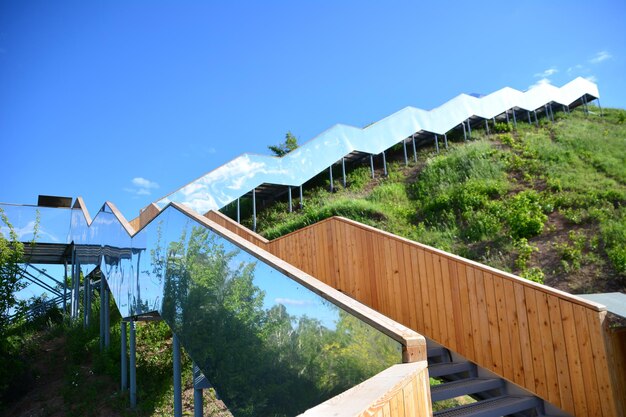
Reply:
x=11, y=255
x=525, y=214
x=572, y=253
x=283, y=148
x=502, y=127
x=358, y=178
x=613, y=232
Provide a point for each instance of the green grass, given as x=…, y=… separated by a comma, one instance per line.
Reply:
x=508, y=199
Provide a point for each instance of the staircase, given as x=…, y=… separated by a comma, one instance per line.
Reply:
x=460, y=378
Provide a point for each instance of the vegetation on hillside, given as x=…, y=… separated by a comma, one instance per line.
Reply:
x=547, y=203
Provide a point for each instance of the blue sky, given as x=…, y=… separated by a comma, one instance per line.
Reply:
x=128, y=101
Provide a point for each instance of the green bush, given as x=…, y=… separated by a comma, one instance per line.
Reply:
x=525, y=215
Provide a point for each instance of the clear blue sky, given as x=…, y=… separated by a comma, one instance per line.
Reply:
x=128, y=101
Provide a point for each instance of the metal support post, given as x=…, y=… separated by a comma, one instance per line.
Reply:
x=601, y=111
x=102, y=321
x=372, y=165
x=198, y=405
x=301, y=199
x=73, y=292
x=445, y=139
x=133, y=366
x=289, y=195
x=437, y=143
x=123, y=356
x=507, y=117
x=65, y=288
x=487, y=126
x=584, y=100
x=530, y=122
x=548, y=115
x=514, y=119
x=178, y=400
x=343, y=172
x=384, y=164
x=254, y=209
x=107, y=314
x=330, y=173
x=238, y=211
x=406, y=158
x=464, y=132
x=469, y=129
x=551, y=112
x=536, y=119
x=414, y=149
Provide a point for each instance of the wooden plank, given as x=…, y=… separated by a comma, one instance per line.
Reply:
x=441, y=301
x=573, y=357
x=524, y=336
x=483, y=320
x=475, y=316
x=494, y=333
x=448, y=308
x=585, y=350
x=595, y=322
x=397, y=259
x=370, y=271
x=425, y=290
x=467, y=349
x=504, y=329
x=457, y=343
x=535, y=343
x=391, y=296
x=435, y=329
x=549, y=361
x=516, y=359
x=408, y=393
x=407, y=281
x=560, y=354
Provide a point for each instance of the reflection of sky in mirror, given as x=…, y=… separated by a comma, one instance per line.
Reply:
x=53, y=227
x=228, y=182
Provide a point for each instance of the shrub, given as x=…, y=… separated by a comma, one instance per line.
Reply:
x=525, y=216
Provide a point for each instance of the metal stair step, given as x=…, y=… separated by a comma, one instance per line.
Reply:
x=494, y=407
x=449, y=368
x=436, y=352
x=463, y=387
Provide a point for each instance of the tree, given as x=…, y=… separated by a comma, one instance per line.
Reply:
x=282, y=149
x=11, y=254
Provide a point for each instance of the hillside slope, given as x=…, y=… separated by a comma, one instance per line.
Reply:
x=547, y=203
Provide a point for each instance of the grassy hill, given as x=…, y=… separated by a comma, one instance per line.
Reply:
x=547, y=203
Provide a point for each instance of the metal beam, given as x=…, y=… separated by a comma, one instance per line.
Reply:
x=290, y=203
x=123, y=356
x=384, y=164
x=487, y=126
x=107, y=314
x=372, y=165
x=601, y=111
x=198, y=406
x=178, y=400
x=414, y=149
x=330, y=173
x=133, y=366
x=254, y=209
x=437, y=143
x=343, y=171
x=469, y=129
x=301, y=199
x=464, y=132
x=514, y=119
x=238, y=211
x=406, y=158
x=445, y=139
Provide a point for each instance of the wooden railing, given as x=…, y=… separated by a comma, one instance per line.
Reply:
x=550, y=342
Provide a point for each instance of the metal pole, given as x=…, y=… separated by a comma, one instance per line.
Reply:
x=464, y=132
x=65, y=288
x=536, y=119
x=238, y=212
x=107, y=314
x=406, y=158
x=530, y=122
x=73, y=274
x=384, y=164
x=133, y=364
x=372, y=165
x=343, y=171
x=123, y=356
x=507, y=117
x=469, y=129
x=445, y=139
x=487, y=126
x=102, y=321
x=437, y=143
x=254, y=209
x=330, y=173
x=290, y=204
x=514, y=119
x=601, y=111
x=178, y=401
x=551, y=112
x=301, y=199
x=584, y=100
x=197, y=395
x=414, y=149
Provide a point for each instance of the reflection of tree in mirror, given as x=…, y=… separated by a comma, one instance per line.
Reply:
x=263, y=362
